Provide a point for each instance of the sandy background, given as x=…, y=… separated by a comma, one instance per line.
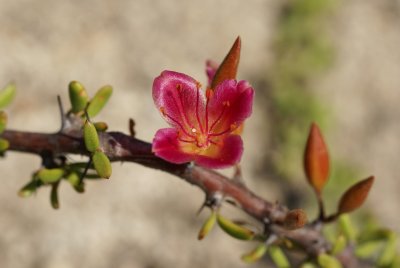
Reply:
x=142, y=217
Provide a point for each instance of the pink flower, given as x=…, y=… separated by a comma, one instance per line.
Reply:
x=202, y=124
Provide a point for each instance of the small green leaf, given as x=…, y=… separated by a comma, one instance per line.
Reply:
x=102, y=164
x=368, y=249
x=75, y=181
x=28, y=189
x=255, y=254
x=90, y=137
x=50, y=175
x=7, y=95
x=389, y=251
x=4, y=145
x=347, y=228
x=308, y=265
x=3, y=121
x=234, y=230
x=208, y=225
x=77, y=96
x=278, y=257
x=99, y=101
x=327, y=261
x=339, y=245
x=54, y=196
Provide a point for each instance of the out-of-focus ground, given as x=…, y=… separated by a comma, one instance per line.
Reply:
x=142, y=217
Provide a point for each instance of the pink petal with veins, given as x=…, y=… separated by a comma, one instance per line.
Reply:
x=180, y=99
x=230, y=105
x=226, y=155
x=166, y=145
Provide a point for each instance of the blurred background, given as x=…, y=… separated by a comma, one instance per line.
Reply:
x=333, y=62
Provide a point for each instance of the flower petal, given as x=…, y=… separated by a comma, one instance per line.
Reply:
x=179, y=99
x=225, y=155
x=230, y=105
x=166, y=145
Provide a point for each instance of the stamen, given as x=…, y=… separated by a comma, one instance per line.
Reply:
x=180, y=109
x=231, y=128
x=209, y=94
x=188, y=141
x=197, y=110
x=219, y=117
x=176, y=122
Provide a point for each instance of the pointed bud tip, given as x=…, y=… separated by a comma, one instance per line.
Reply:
x=316, y=159
x=229, y=66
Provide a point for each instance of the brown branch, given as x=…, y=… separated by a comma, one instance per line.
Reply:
x=121, y=147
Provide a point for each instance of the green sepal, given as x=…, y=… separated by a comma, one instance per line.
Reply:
x=74, y=179
x=234, y=229
x=102, y=164
x=29, y=188
x=77, y=96
x=54, y=196
x=50, y=175
x=255, y=254
x=7, y=95
x=3, y=121
x=328, y=261
x=208, y=225
x=99, y=101
x=90, y=137
x=100, y=126
x=4, y=145
x=278, y=257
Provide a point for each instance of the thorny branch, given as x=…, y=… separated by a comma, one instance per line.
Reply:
x=121, y=147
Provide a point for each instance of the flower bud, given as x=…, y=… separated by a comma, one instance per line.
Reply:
x=99, y=101
x=102, y=164
x=77, y=96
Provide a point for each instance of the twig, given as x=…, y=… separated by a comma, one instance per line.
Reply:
x=121, y=147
